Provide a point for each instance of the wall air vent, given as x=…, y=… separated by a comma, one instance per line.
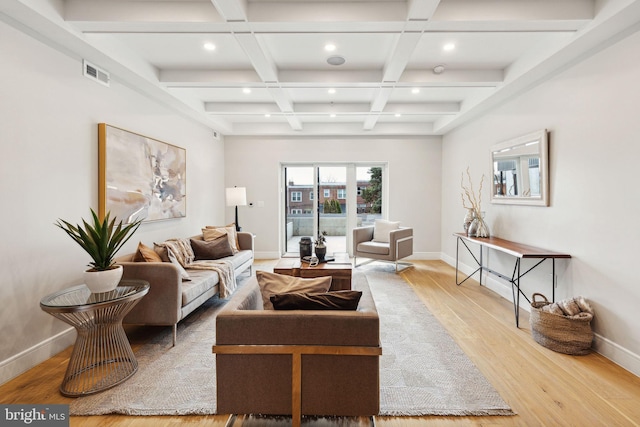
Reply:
x=94, y=73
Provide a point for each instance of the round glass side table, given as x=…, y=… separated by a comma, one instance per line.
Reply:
x=102, y=356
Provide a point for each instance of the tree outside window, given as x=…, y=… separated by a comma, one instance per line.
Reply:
x=373, y=193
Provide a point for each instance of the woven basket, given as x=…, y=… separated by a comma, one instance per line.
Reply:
x=569, y=335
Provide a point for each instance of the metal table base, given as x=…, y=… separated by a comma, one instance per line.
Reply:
x=102, y=356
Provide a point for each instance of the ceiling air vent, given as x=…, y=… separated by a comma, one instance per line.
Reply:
x=94, y=73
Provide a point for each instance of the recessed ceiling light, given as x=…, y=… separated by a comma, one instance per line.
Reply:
x=332, y=91
x=415, y=90
x=329, y=47
x=336, y=60
x=246, y=90
x=332, y=115
x=438, y=69
x=398, y=115
x=267, y=115
x=209, y=46
x=449, y=46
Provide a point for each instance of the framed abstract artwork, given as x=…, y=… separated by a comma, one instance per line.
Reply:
x=140, y=177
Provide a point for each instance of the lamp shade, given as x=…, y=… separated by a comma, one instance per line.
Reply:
x=236, y=196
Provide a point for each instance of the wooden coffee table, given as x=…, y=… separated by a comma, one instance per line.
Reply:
x=339, y=270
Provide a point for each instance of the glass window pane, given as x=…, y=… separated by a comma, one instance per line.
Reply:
x=369, y=200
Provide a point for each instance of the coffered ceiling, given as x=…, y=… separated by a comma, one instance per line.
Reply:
x=411, y=67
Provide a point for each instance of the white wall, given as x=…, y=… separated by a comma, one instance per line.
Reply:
x=591, y=111
x=413, y=170
x=48, y=133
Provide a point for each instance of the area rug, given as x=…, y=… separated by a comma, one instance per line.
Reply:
x=422, y=370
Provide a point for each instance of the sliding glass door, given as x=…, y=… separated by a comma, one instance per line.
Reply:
x=330, y=199
x=332, y=207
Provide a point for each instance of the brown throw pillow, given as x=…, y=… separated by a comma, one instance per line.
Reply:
x=161, y=251
x=274, y=283
x=337, y=300
x=145, y=254
x=213, y=232
x=212, y=249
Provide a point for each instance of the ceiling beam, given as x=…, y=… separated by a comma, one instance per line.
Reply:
x=430, y=108
x=140, y=12
x=451, y=78
x=334, y=129
x=209, y=78
x=235, y=11
x=422, y=10
x=232, y=10
x=326, y=79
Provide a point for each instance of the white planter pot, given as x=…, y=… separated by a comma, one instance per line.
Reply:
x=103, y=281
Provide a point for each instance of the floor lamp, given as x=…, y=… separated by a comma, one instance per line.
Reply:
x=237, y=196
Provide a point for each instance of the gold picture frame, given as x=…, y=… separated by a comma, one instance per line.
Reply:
x=139, y=176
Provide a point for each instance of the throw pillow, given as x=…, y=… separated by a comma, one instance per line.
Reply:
x=337, y=300
x=212, y=232
x=183, y=273
x=181, y=249
x=161, y=251
x=212, y=249
x=165, y=253
x=145, y=254
x=274, y=283
x=382, y=228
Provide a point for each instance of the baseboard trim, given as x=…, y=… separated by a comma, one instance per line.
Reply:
x=617, y=354
x=266, y=255
x=27, y=359
x=601, y=345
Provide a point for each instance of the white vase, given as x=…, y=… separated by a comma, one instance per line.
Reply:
x=478, y=227
x=103, y=281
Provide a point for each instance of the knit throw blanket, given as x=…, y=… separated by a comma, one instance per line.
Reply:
x=183, y=253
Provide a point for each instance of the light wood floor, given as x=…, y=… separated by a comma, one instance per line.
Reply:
x=544, y=388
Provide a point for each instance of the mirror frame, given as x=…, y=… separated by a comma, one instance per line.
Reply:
x=543, y=137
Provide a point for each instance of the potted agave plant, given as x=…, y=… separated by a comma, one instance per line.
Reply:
x=101, y=240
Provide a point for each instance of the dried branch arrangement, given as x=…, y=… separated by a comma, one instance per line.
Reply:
x=469, y=199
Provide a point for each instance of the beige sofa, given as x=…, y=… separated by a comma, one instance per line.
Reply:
x=297, y=362
x=170, y=299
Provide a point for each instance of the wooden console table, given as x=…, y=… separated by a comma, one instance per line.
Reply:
x=519, y=251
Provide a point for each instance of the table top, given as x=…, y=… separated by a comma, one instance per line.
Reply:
x=79, y=298
x=341, y=262
x=519, y=250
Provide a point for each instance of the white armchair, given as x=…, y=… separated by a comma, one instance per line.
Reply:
x=386, y=243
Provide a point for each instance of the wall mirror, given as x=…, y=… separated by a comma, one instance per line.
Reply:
x=520, y=169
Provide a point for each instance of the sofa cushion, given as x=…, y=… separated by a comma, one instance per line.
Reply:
x=201, y=281
x=145, y=254
x=373, y=248
x=382, y=228
x=240, y=258
x=274, y=283
x=336, y=300
x=211, y=249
